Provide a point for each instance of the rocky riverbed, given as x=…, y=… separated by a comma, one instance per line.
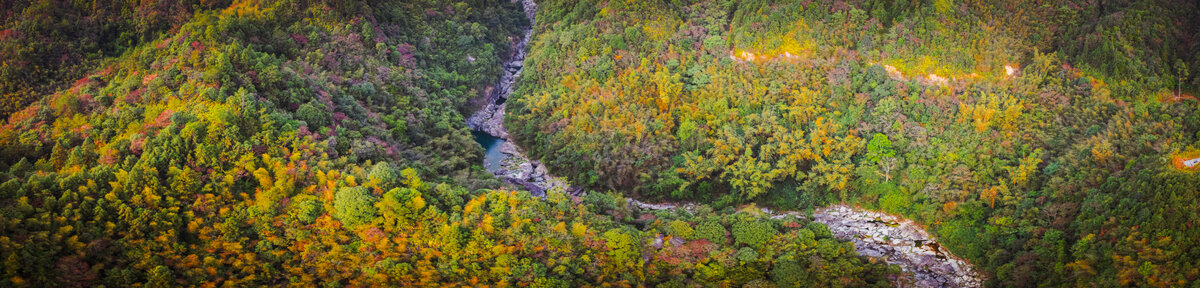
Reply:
x=514, y=167
x=899, y=241
x=892, y=239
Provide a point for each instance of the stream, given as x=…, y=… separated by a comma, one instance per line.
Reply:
x=503, y=158
x=875, y=234
x=492, y=156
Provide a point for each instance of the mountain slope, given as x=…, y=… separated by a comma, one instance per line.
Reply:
x=311, y=143
x=1034, y=139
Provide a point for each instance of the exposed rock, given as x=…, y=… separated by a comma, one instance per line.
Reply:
x=676, y=241
x=490, y=120
x=649, y=206
x=899, y=241
x=878, y=235
x=515, y=168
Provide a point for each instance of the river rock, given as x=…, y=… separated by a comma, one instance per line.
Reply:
x=515, y=168
x=490, y=120
x=899, y=241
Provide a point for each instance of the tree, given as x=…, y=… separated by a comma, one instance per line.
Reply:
x=382, y=175
x=879, y=150
x=1181, y=72
x=354, y=206
x=712, y=231
x=746, y=255
x=160, y=276
x=788, y=274
x=399, y=206
x=624, y=248
x=313, y=115
x=681, y=229
x=306, y=208
x=753, y=233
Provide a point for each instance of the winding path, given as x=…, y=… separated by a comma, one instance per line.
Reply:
x=875, y=234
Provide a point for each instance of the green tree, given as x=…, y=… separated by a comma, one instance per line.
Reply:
x=313, y=114
x=306, y=209
x=682, y=230
x=1182, y=73
x=753, y=233
x=400, y=206
x=789, y=274
x=160, y=277
x=880, y=152
x=354, y=206
x=382, y=175
x=746, y=255
x=624, y=248
x=712, y=231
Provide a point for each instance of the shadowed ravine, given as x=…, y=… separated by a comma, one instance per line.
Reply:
x=889, y=238
x=503, y=158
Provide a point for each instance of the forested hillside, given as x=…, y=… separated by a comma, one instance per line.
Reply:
x=320, y=143
x=45, y=45
x=1037, y=139
x=323, y=142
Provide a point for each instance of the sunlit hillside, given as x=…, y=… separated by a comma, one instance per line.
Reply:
x=590, y=143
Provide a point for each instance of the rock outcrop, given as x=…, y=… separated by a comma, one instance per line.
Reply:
x=489, y=120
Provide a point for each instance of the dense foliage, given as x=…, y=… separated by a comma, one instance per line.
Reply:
x=305, y=143
x=47, y=44
x=1035, y=139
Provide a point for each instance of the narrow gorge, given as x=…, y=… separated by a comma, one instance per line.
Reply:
x=697, y=143
x=502, y=157
x=877, y=235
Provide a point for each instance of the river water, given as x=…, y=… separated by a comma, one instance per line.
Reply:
x=502, y=158
x=491, y=144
